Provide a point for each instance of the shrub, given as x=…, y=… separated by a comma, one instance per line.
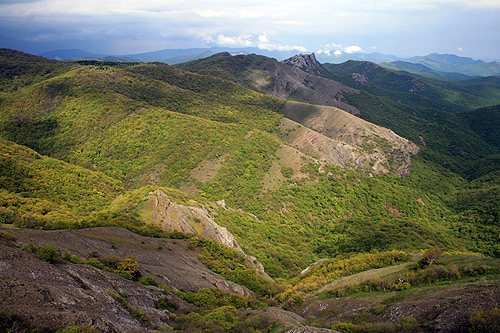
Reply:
x=129, y=267
x=485, y=320
x=343, y=326
x=48, y=253
x=435, y=273
x=257, y=323
x=408, y=324
x=85, y=328
x=472, y=269
x=96, y=263
x=453, y=271
x=222, y=319
x=148, y=280
x=111, y=261
x=30, y=247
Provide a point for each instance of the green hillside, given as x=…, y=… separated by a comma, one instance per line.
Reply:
x=39, y=191
x=83, y=144
x=153, y=124
x=427, y=111
x=424, y=110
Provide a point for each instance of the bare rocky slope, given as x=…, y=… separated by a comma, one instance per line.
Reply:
x=53, y=296
x=333, y=136
x=161, y=212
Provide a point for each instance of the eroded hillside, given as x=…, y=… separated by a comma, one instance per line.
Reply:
x=88, y=284
x=336, y=137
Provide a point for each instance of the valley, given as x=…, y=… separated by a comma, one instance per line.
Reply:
x=193, y=197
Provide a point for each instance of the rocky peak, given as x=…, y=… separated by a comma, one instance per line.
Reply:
x=305, y=62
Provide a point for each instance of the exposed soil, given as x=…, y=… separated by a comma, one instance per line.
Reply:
x=61, y=294
x=333, y=136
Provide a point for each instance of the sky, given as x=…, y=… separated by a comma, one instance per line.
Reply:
x=469, y=28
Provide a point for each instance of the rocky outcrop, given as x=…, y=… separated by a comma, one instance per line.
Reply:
x=53, y=296
x=305, y=62
x=171, y=216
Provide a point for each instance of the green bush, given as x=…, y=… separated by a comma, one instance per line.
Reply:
x=84, y=328
x=485, y=320
x=128, y=267
x=219, y=320
x=48, y=253
x=431, y=256
x=148, y=280
x=408, y=324
x=472, y=269
x=96, y=263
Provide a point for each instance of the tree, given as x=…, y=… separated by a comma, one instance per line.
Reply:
x=130, y=267
x=432, y=255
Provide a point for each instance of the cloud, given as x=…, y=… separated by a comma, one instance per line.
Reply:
x=265, y=44
x=212, y=13
x=353, y=49
x=239, y=41
x=247, y=40
x=291, y=22
x=339, y=49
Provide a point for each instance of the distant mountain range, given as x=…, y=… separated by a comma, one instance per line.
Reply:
x=448, y=66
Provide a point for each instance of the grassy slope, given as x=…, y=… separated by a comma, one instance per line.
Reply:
x=412, y=106
x=41, y=191
x=456, y=286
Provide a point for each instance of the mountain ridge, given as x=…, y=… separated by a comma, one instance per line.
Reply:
x=448, y=63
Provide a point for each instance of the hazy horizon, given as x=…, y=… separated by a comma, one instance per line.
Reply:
x=393, y=27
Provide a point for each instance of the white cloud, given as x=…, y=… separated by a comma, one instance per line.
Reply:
x=239, y=41
x=248, y=40
x=265, y=44
x=339, y=49
x=212, y=13
x=291, y=22
x=353, y=49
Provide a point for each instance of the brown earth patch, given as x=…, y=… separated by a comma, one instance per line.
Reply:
x=207, y=169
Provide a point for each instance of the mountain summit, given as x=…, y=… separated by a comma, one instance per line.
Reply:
x=305, y=62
